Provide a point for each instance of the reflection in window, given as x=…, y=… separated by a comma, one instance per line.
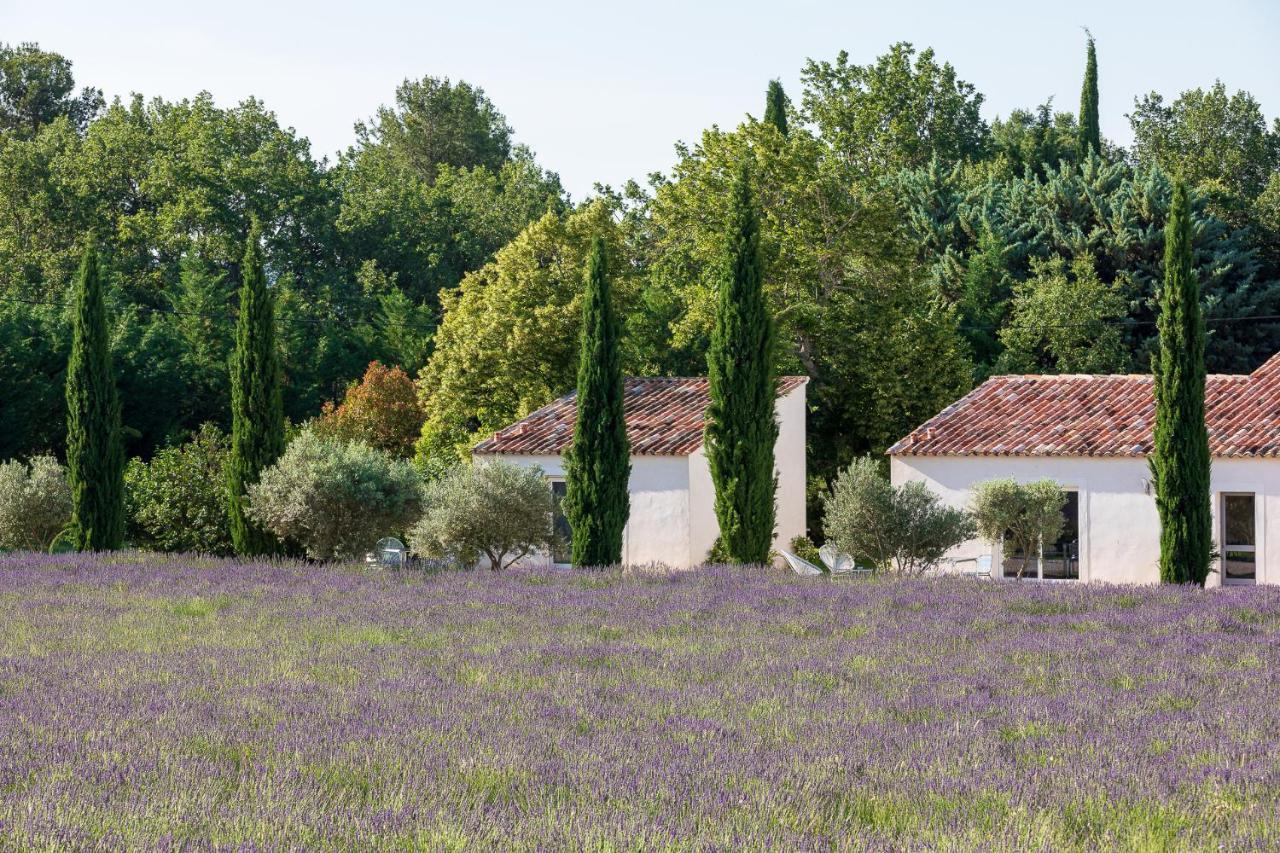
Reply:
x=1239, y=550
x=562, y=550
x=1061, y=558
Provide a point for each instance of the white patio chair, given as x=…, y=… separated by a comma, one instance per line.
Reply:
x=841, y=564
x=973, y=567
x=800, y=566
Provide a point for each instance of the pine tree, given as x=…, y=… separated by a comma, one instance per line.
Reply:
x=95, y=455
x=257, y=416
x=1090, y=133
x=1180, y=456
x=775, y=107
x=598, y=468
x=741, y=427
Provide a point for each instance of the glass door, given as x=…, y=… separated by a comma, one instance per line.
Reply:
x=562, y=548
x=1239, y=546
x=1062, y=558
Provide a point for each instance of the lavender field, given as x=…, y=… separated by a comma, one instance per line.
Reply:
x=169, y=702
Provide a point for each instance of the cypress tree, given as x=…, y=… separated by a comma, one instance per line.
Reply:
x=597, y=502
x=741, y=428
x=95, y=455
x=775, y=107
x=1090, y=134
x=257, y=415
x=1180, y=456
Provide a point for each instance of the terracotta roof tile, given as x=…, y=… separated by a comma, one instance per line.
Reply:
x=664, y=417
x=1096, y=416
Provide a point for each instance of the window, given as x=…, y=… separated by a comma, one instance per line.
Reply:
x=562, y=551
x=1239, y=549
x=1062, y=558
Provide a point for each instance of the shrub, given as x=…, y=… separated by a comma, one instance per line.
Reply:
x=178, y=500
x=382, y=410
x=1023, y=515
x=492, y=508
x=907, y=529
x=335, y=498
x=35, y=503
x=803, y=547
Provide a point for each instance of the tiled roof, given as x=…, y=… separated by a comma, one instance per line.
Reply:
x=1096, y=416
x=664, y=417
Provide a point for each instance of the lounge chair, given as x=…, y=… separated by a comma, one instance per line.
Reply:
x=801, y=567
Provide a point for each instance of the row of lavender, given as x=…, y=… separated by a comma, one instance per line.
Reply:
x=150, y=701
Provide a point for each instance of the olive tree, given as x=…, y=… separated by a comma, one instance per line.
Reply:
x=335, y=499
x=35, y=503
x=1022, y=515
x=904, y=528
x=492, y=508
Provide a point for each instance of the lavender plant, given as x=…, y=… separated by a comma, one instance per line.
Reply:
x=162, y=702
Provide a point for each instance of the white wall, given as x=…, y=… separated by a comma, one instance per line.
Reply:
x=1119, y=528
x=658, y=527
x=790, y=460
x=673, y=518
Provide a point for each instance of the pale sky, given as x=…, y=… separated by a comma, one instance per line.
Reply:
x=601, y=91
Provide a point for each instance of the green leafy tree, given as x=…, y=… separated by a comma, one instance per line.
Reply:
x=1034, y=140
x=1180, y=454
x=894, y=113
x=742, y=426
x=95, y=456
x=436, y=122
x=334, y=498
x=257, y=419
x=434, y=187
x=906, y=529
x=775, y=107
x=493, y=509
x=598, y=465
x=35, y=503
x=1090, y=138
x=37, y=87
x=1024, y=516
x=178, y=500
x=1064, y=320
x=35, y=342
x=508, y=342
x=1219, y=143
x=854, y=311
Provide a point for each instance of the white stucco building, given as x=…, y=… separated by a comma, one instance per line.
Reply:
x=672, y=519
x=1092, y=434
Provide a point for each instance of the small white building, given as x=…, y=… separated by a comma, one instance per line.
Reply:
x=673, y=518
x=1092, y=434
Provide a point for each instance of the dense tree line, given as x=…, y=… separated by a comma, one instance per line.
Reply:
x=907, y=247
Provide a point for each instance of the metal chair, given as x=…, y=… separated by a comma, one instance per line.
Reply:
x=975, y=567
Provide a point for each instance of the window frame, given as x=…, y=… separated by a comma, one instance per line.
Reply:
x=1226, y=547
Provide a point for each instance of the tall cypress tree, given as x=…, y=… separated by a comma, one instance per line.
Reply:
x=257, y=414
x=1180, y=456
x=1090, y=134
x=775, y=107
x=597, y=502
x=95, y=455
x=741, y=427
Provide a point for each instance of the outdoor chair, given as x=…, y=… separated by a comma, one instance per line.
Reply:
x=841, y=564
x=973, y=567
x=800, y=566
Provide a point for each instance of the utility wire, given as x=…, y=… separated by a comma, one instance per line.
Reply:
x=352, y=322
